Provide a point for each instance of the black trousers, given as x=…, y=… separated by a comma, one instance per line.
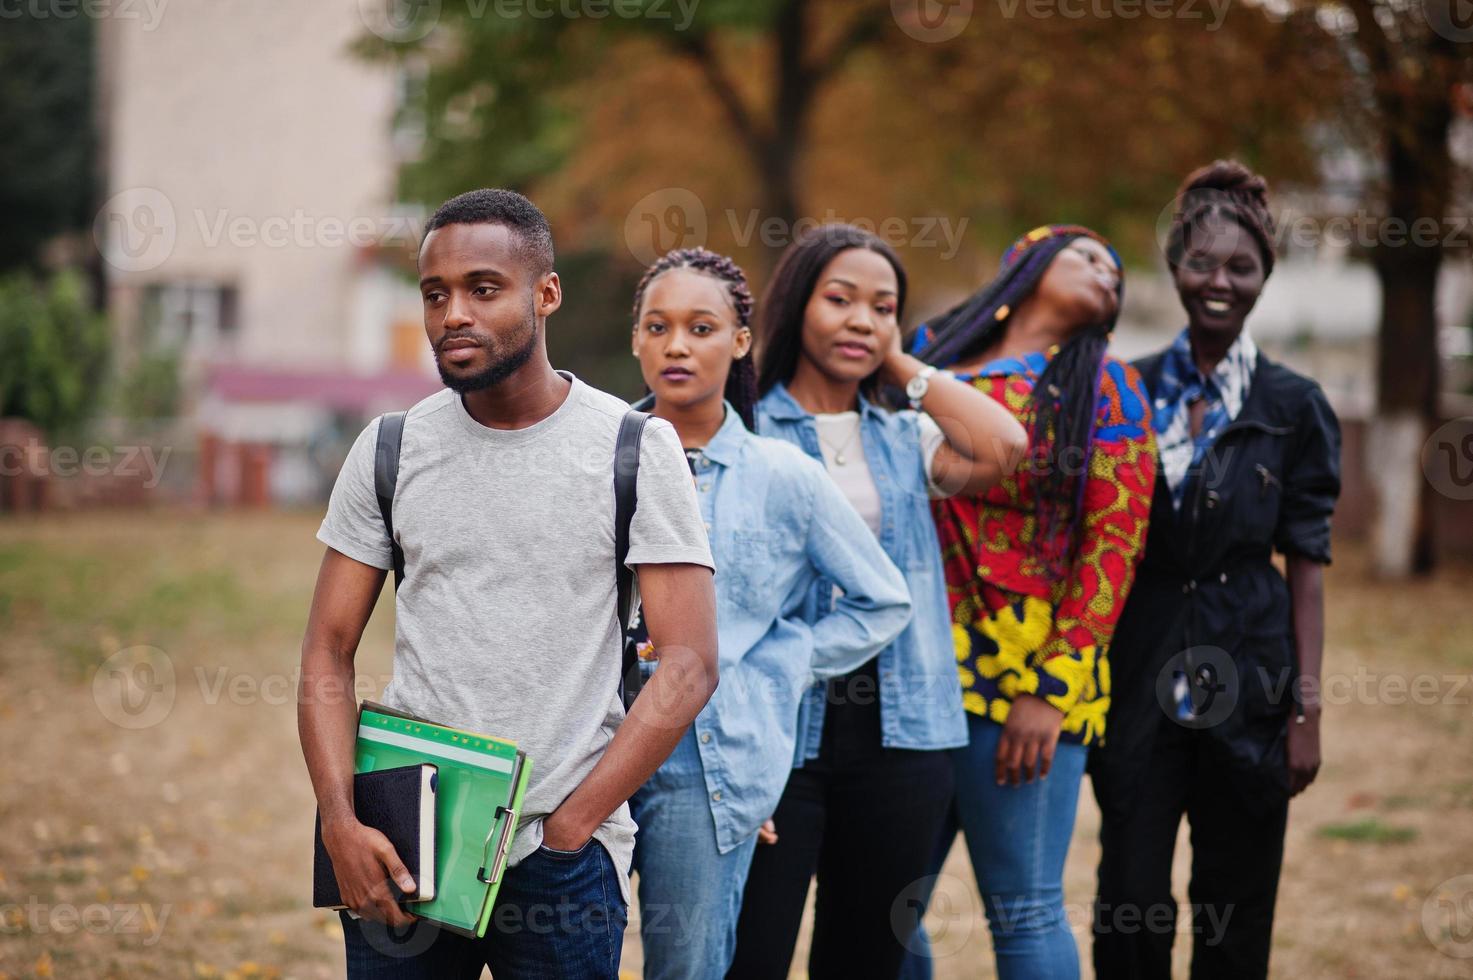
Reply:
x=864, y=818
x=1237, y=850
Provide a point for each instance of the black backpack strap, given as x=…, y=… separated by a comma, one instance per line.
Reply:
x=385, y=476
x=626, y=473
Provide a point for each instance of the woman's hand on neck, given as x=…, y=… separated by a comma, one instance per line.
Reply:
x=696, y=424
x=819, y=393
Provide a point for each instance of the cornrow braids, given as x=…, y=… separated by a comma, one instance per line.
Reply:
x=1222, y=189
x=741, y=382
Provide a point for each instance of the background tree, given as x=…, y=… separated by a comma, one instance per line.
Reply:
x=1409, y=67
x=53, y=351
x=47, y=180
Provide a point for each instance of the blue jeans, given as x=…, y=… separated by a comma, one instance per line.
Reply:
x=558, y=914
x=690, y=894
x=1018, y=838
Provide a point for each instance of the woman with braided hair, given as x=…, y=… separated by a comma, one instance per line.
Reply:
x=776, y=525
x=1037, y=570
x=1217, y=656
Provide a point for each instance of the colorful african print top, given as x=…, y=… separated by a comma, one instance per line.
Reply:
x=1017, y=628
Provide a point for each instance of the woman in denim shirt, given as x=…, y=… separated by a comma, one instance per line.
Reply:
x=872, y=783
x=776, y=525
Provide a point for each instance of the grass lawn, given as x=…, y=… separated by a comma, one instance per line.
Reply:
x=171, y=836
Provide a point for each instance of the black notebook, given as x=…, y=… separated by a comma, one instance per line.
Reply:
x=400, y=804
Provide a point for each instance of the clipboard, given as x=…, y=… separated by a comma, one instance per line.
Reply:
x=482, y=782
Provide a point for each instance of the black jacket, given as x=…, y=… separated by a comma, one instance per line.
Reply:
x=1208, y=601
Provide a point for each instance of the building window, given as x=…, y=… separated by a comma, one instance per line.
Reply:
x=193, y=318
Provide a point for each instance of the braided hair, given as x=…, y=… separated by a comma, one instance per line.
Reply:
x=1224, y=189
x=1063, y=404
x=741, y=381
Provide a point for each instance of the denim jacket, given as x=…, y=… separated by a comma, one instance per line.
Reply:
x=920, y=700
x=777, y=526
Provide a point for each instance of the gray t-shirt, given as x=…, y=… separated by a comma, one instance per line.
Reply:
x=506, y=621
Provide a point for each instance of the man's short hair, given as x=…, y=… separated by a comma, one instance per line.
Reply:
x=494, y=206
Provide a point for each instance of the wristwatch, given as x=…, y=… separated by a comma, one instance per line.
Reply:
x=916, y=388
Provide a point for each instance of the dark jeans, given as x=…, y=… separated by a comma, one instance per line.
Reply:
x=558, y=914
x=866, y=819
x=1237, y=850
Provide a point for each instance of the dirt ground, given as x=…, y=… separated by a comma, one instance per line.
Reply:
x=168, y=833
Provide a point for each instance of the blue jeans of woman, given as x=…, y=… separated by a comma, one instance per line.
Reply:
x=1018, y=839
x=689, y=892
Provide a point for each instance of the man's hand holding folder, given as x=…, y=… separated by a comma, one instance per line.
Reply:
x=364, y=862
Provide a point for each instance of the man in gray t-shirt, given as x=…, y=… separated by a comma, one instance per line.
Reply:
x=506, y=621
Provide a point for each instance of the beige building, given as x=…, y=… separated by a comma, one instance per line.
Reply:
x=251, y=227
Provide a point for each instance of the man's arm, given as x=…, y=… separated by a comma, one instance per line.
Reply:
x=327, y=722
x=679, y=603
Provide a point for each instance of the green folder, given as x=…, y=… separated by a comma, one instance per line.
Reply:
x=479, y=797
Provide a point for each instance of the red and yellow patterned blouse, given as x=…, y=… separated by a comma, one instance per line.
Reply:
x=1017, y=628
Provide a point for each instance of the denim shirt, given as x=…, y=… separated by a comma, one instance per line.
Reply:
x=920, y=699
x=777, y=526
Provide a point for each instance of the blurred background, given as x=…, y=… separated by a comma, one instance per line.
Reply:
x=211, y=210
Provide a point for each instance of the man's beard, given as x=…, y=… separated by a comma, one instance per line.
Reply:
x=497, y=371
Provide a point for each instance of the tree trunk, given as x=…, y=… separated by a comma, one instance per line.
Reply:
x=1415, y=121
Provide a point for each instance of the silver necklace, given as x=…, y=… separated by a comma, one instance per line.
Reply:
x=839, y=451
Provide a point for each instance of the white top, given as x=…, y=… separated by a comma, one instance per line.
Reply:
x=839, y=439
x=843, y=456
